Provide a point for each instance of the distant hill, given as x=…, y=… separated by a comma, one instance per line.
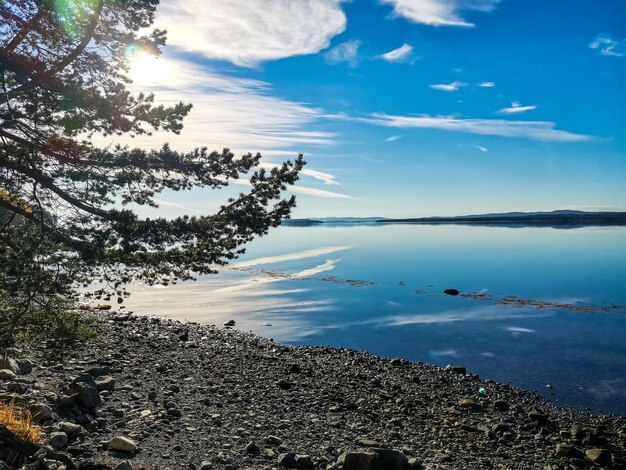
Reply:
x=335, y=220
x=554, y=218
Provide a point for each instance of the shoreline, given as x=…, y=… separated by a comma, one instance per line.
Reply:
x=187, y=394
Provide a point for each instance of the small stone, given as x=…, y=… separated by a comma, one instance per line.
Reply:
x=252, y=448
x=284, y=384
x=230, y=323
x=501, y=427
x=538, y=416
x=287, y=459
x=501, y=405
x=368, y=443
x=566, y=450
x=70, y=429
x=86, y=394
x=456, y=369
x=273, y=440
x=7, y=363
x=471, y=404
x=366, y=460
x=600, y=457
x=25, y=366
x=124, y=466
x=58, y=440
x=304, y=462
x=7, y=374
x=205, y=465
x=123, y=444
x=40, y=412
x=106, y=383
x=451, y=292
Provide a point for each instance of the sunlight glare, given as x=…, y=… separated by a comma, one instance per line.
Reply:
x=145, y=69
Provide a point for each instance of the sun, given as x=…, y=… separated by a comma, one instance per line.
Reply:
x=147, y=69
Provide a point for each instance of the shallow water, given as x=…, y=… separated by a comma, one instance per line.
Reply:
x=380, y=288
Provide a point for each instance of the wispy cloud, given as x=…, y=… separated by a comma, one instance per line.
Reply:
x=486, y=85
x=247, y=33
x=454, y=86
x=404, y=53
x=163, y=202
x=516, y=108
x=299, y=189
x=609, y=47
x=345, y=52
x=327, y=178
x=291, y=256
x=439, y=12
x=229, y=111
x=481, y=148
x=536, y=130
x=393, y=138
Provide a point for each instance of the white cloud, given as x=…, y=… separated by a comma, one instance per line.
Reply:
x=299, y=189
x=345, y=52
x=481, y=148
x=327, y=178
x=228, y=111
x=487, y=84
x=439, y=12
x=609, y=47
x=393, y=138
x=454, y=86
x=537, y=130
x=404, y=53
x=516, y=108
x=247, y=33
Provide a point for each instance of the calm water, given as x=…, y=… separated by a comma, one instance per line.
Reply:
x=379, y=288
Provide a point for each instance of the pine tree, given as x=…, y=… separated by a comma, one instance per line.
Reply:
x=66, y=218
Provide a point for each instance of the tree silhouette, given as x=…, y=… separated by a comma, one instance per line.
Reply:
x=66, y=206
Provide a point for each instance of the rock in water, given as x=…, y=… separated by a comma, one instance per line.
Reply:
x=229, y=323
x=451, y=291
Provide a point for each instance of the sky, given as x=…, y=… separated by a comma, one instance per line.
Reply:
x=403, y=107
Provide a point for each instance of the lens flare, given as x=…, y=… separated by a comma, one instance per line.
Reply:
x=73, y=15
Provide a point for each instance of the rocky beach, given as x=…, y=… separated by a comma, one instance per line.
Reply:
x=153, y=393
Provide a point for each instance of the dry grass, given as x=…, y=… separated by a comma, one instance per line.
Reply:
x=19, y=421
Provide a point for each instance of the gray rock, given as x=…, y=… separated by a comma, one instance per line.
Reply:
x=456, y=369
x=390, y=459
x=122, y=444
x=99, y=371
x=273, y=440
x=9, y=364
x=230, y=323
x=25, y=366
x=566, y=450
x=125, y=465
x=40, y=412
x=7, y=374
x=538, y=416
x=252, y=448
x=205, y=465
x=304, y=462
x=600, y=457
x=501, y=405
x=106, y=383
x=287, y=460
x=58, y=440
x=361, y=460
x=70, y=429
x=85, y=394
x=470, y=404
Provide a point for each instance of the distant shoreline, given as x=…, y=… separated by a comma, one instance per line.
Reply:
x=563, y=219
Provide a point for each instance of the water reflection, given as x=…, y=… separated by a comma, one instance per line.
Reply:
x=381, y=289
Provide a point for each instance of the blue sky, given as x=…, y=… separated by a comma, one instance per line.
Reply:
x=405, y=107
